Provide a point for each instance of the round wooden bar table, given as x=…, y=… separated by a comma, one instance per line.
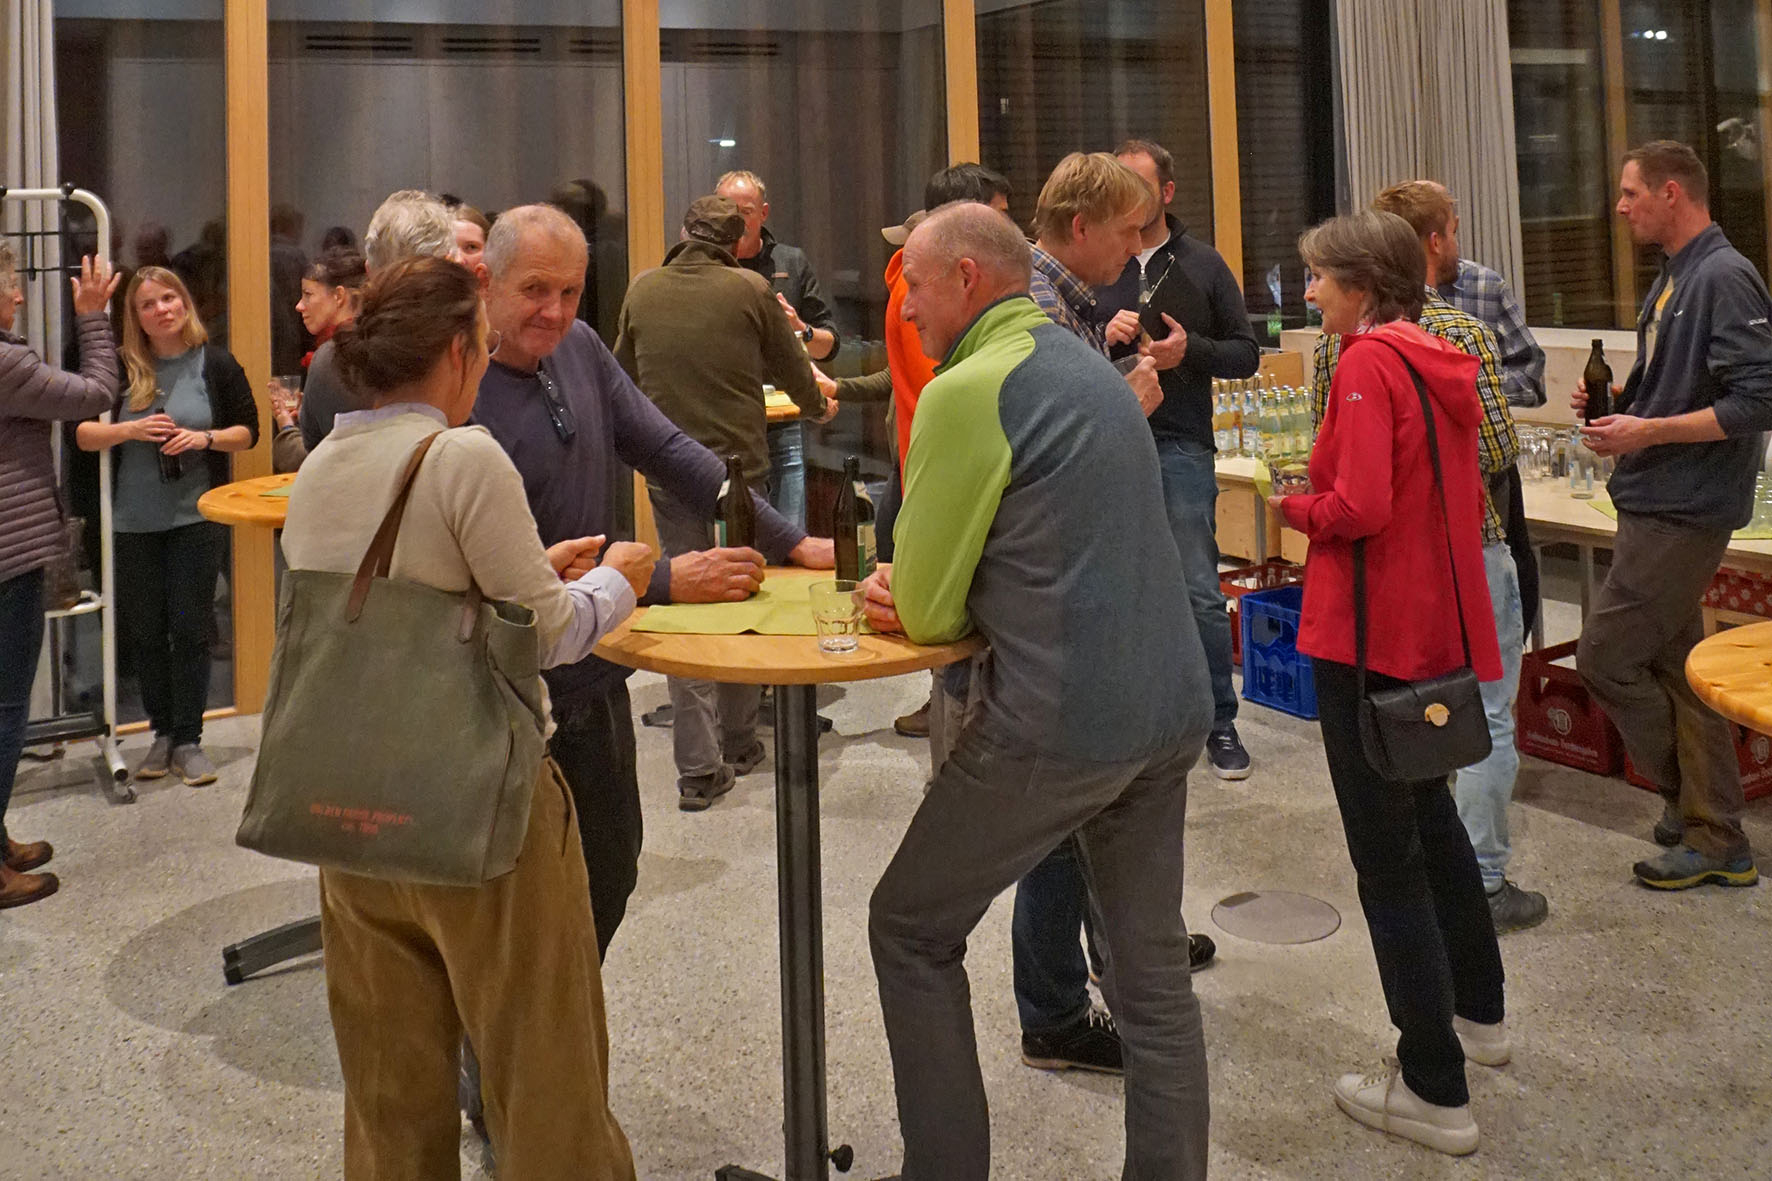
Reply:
x=1732, y=673
x=244, y=505
x=796, y=667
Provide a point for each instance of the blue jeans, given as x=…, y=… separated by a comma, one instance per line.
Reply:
x=787, y=471
x=21, y=641
x=1051, y=973
x=1190, y=494
x=1483, y=790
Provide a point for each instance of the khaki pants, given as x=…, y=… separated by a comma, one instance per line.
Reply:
x=514, y=963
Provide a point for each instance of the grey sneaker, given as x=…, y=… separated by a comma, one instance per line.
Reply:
x=697, y=793
x=158, y=762
x=1514, y=909
x=749, y=760
x=1670, y=830
x=192, y=765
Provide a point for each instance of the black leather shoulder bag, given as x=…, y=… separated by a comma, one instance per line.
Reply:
x=1422, y=729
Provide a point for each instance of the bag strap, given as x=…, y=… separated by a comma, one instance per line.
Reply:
x=378, y=559
x=1433, y=450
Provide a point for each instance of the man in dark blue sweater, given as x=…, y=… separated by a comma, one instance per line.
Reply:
x=1179, y=297
x=1699, y=400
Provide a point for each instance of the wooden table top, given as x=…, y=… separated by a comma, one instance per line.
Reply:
x=786, y=413
x=751, y=659
x=1732, y=673
x=244, y=502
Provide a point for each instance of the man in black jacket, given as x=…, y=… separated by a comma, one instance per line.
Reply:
x=1179, y=302
x=1699, y=400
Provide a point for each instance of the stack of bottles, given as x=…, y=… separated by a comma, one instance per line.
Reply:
x=1255, y=419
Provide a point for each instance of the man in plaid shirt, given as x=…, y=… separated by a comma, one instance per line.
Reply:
x=1483, y=790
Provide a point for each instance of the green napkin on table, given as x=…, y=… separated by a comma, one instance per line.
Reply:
x=1604, y=505
x=783, y=607
x=282, y=492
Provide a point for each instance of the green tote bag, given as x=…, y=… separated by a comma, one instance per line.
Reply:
x=402, y=725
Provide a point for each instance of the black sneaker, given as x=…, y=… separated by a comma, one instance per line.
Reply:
x=1514, y=909
x=1224, y=750
x=1200, y=950
x=1090, y=1043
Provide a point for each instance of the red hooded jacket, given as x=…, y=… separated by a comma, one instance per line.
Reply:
x=1371, y=461
x=911, y=370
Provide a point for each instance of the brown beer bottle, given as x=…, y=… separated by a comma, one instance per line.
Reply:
x=1597, y=379
x=735, y=517
x=852, y=528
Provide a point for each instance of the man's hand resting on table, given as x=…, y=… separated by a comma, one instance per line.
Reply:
x=724, y=575
x=814, y=553
x=882, y=615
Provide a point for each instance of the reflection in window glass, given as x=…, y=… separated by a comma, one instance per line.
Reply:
x=140, y=110
x=839, y=109
x=1075, y=75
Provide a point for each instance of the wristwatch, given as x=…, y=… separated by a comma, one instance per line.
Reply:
x=209, y=440
x=806, y=334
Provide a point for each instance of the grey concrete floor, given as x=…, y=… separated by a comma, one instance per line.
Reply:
x=1640, y=1021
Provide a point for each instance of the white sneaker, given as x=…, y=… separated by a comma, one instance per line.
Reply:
x=1487, y=1045
x=1384, y=1101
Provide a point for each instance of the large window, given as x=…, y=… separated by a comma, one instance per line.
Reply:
x=140, y=110
x=1060, y=76
x=839, y=109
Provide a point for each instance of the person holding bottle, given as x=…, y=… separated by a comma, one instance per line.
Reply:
x=185, y=407
x=34, y=395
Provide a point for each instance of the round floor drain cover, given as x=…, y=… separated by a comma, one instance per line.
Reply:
x=1276, y=916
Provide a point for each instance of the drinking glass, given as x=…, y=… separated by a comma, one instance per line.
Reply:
x=837, y=608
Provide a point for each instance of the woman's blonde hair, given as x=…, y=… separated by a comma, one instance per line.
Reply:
x=138, y=356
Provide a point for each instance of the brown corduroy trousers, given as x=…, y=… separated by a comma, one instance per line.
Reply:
x=514, y=964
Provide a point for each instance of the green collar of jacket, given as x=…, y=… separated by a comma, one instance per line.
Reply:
x=1012, y=313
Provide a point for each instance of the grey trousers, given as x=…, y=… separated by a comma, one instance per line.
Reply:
x=1634, y=644
x=711, y=722
x=991, y=815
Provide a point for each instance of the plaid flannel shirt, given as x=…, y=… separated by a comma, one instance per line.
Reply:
x=1485, y=294
x=1066, y=299
x=1498, y=444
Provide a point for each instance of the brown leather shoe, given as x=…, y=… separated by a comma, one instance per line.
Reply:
x=25, y=857
x=21, y=889
x=915, y=724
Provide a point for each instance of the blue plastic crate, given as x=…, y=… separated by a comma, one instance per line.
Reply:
x=1274, y=674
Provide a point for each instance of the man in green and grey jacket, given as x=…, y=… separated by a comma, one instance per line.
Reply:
x=1033, y=512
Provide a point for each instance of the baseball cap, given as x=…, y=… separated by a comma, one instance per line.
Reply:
x=715, y=220
x=897, y=235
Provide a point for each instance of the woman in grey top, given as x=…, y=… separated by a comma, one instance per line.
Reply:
x=513, y=962
x=32, y=396
x=186, y=406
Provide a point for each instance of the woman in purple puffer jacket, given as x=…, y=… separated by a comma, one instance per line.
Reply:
x=34, y=395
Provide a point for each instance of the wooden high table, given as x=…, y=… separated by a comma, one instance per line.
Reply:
x=795, y=667
x=244, y=505
x=1732, y=673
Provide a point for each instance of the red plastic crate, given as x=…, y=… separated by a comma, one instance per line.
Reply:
x=1557, y=719
x=1753, y=751
x=1244, y=579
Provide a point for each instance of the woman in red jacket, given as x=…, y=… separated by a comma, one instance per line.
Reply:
x=1374, y=481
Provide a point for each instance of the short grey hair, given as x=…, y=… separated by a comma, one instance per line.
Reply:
x=8, y=266
x=741, y=176
x=525, y=222
x=410, y=224
x=966, y=229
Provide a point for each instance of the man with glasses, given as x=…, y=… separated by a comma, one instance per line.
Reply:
x=702, y=336
x=573, y=423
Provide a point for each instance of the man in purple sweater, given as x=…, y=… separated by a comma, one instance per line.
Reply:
x=575, y=424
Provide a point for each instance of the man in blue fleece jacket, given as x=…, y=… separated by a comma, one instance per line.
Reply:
x=1699, y=400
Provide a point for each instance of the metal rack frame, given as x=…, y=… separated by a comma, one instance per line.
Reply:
x=98, y=725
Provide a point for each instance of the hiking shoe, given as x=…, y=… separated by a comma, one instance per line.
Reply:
x=1224, y=750
x=749, y=761
x=1089, y=1043
x=22, y=889
x=1487, y=1045
x=1670, y=830
x=192, y=765
x=26, y=857
x=915, y=724
x=1685, y=867
x=1514, y=909
x=159, y=760
x=697, y=793
x=1200, y=950
x=1384, y=1101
